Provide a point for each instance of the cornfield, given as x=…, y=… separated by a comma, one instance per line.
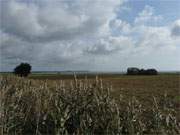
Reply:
x=79, y=107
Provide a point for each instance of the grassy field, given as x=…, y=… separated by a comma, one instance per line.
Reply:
x=87, y=104
x=142, y=87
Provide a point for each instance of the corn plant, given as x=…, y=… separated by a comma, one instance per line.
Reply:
x=78, y=107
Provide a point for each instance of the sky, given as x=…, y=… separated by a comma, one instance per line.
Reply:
x=93, y=35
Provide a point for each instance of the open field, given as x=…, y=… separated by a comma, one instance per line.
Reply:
x=109, y=104
x=142, y=87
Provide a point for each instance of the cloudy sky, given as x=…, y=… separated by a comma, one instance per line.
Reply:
x=96, y=35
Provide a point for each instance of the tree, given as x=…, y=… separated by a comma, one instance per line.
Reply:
x=151, y=72
x=137, y=71
x=132, y=71
x=23, y=69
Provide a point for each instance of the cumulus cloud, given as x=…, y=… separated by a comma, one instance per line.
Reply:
x=80, y=34
x=176, y=28
x=52, y=28
x=109, y=45
x=147, y=16
x=120, y=26
x=55, y=20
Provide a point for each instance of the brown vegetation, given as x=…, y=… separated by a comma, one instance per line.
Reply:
x=83, y=107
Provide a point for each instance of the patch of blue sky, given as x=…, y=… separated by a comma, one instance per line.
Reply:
x=168, y=9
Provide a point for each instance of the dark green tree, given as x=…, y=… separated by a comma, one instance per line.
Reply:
x=23, y=70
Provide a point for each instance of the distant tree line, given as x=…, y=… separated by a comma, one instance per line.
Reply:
x=137, y=71
x=24, y=69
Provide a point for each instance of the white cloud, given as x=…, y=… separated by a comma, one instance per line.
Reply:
x=81, y=34
x=151, y=39
x=52, y=31
x=121, y=26
x=176, y=28
x=147, y=16
x=55, y=20
x=110, y=45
